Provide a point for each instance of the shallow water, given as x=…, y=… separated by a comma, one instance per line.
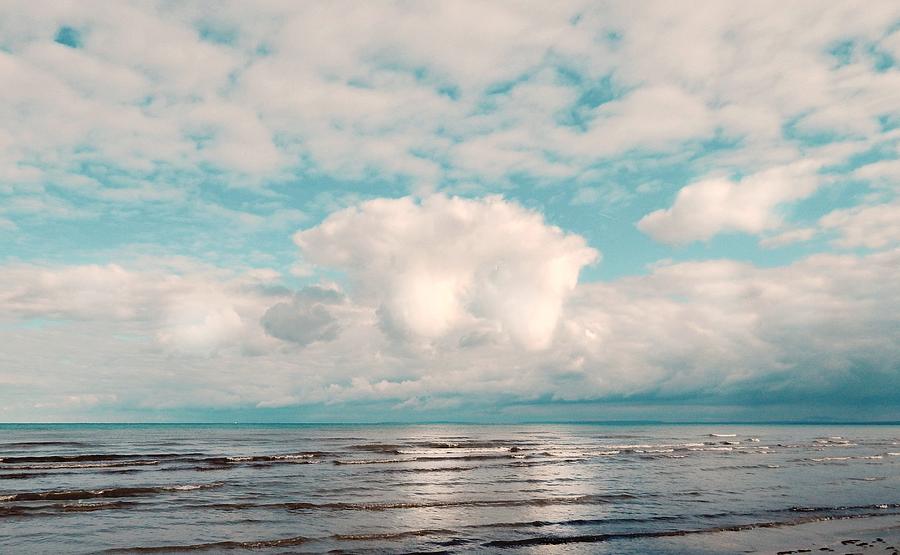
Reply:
x=440, y=488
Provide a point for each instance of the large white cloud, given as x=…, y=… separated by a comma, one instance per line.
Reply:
x=435, y=265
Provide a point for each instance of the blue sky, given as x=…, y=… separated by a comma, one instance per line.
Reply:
x=449, y=210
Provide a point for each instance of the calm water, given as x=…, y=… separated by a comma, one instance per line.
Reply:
x=432, y=488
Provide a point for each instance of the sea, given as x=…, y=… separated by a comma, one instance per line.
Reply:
x=442, y=488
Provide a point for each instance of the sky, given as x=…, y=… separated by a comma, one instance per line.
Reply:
x=449, y=210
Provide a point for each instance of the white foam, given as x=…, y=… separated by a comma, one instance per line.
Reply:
x=374, y=461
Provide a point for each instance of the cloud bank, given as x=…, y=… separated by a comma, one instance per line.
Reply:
x=438, y=312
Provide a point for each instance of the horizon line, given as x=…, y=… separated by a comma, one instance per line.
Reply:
x=476, y=423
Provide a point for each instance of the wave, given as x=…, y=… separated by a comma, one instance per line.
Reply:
x=440, y=469
x=426, y=459
x=393, y=535
x=382, y=506
x=18, y=476
x=77, y=465
x=598, y=538
x=468, y=444
x=373, y=461
x=74, y=495
x=225, y=545
x=288, y=457
x=846, y=458
x=390, y=448
x=259, y=461
x=93, y=457
x=39, y=444
x=80, y=507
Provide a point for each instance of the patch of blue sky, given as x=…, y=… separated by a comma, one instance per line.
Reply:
x=217, y=32
x=888, y=122
x=847, y=52
x=69, y=36
x=843, y=52
x=792, y=129
x=885, y=150
x=881, y=61
x=593, y=94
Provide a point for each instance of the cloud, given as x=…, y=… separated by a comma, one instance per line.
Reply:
x=726, y=327
x=198, y=312
x=602, y=104
x=443, y=263
x=293, y=88
x=788, y=237
x=873, y=226
x=706, y=208
x=307, y=318
x=822, y=329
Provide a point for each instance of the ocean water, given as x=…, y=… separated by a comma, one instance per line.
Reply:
x=434, y=488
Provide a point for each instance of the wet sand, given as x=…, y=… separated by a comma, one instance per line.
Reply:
x=872, y=535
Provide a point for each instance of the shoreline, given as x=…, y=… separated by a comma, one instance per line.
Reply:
x=874, y=534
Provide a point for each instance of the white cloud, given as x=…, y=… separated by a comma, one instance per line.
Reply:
x=712, y=206
x=445, y=94
x=874, y=226
x=198, y=313
x=443, y=263
x=788, y=237
x=692, y=330
x=722, y=326
x=308, y=88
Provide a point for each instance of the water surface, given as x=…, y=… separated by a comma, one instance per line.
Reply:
x=432, y=488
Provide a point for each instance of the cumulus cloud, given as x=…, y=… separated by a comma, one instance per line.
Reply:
x=436, y=265
x=712, y=206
